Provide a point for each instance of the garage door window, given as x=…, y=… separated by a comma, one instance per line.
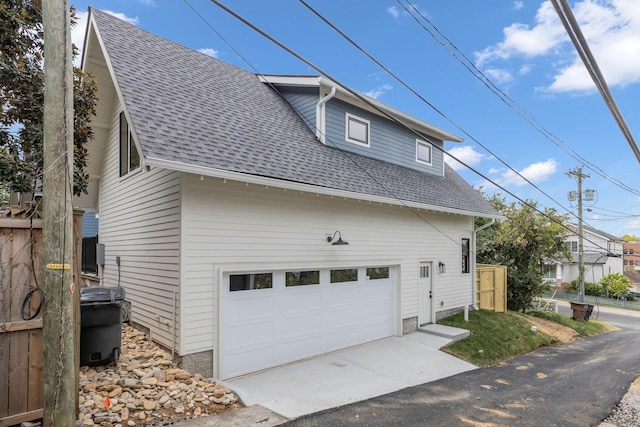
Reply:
x=302, y=278
x=346, y=275
x=245, y=282
x=374, y=273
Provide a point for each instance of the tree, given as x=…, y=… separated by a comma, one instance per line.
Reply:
x=22, y=100
x=630, y=238
x=616, y=284
x=522, y=242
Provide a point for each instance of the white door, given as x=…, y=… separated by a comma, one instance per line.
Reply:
x=425, y=293
x=269, y=319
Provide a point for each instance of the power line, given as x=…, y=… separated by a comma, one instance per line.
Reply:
x=401, y=81
x=382, y=112
x=573, y=30
x=506, y=99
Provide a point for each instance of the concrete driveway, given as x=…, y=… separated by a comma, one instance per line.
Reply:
x=351, y=375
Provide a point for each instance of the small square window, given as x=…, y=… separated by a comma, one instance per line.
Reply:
x=423, y=152
x=346, y=275
x=357, y=130
x=374, y=273
x=245, y=282
x=302, y=278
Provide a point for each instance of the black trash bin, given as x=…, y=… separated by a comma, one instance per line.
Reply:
x=101, y=324
x=588, y=311
x=581, y=311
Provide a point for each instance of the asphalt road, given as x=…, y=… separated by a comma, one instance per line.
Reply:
x=577, y=384
x=627, y=319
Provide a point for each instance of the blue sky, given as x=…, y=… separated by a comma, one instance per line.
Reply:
x=520, y=46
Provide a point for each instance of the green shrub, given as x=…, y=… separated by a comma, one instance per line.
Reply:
x=590, y=288
x=616, y=284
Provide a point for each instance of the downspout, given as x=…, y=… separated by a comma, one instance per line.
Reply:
x=320, y=119
x=475, y=239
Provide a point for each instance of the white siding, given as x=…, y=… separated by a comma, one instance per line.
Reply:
x=140, y=223
x=230, y=226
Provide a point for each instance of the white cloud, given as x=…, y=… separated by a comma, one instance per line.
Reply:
x=379, y=91
x=209, y=51
x=466, y=154
x=79, y=30
x=612, y=30
x=517, y=5
x=393, y=11
x=523, y=40
x=535, y=173
x=632, y=225
x=498, y=75
x=77, y=34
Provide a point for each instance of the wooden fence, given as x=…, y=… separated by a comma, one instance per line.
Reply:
x=21, y=357
x=491, y=287
x=21, y=341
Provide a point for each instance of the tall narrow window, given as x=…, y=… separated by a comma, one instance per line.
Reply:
x=357, y=130
x=466, y=268
x=423, y=152
x=129, y=157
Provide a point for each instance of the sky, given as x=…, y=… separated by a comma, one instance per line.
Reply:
x=502, y=74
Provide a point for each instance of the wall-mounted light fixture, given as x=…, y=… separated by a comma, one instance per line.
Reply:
x=442, y=267
x=331, y=239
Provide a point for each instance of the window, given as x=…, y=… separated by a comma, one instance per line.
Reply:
x=129, y=157
x=245, y=282
x=346, y=275
x=357, y=130
x=573, y=246
x=423, y=152
x=424, y=271
x=466, y=268
x=302, y=278
x=374, y=273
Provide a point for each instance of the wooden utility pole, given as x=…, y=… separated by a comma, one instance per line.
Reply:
x=579, y=176
x=59, y=338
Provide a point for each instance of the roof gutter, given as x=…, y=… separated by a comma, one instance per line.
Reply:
x=304, y=187
x=320, y=116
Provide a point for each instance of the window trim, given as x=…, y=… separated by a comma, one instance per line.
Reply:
x=426, y=144
x=347, y=121
x=125, y=152
x=467, y=255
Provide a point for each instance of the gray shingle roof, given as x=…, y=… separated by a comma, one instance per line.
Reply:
x=190, y=108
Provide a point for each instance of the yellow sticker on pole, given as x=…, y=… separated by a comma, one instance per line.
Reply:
x=58, y=266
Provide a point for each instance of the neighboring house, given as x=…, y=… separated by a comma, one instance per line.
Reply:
x=602, y=255
x=217, y=199
x=631, y=256
x=632, y=265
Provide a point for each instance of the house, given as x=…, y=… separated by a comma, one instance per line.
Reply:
x=631, y=260
x=631, y=256
x=225, y=200
x=602, y=255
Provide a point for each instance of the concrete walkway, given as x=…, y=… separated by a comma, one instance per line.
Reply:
x=350, y=375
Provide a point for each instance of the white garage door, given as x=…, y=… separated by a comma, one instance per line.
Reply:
x=272, y=318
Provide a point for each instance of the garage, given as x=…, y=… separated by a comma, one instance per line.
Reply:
x=272, y=318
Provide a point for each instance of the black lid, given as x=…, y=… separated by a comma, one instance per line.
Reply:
x=102, y=294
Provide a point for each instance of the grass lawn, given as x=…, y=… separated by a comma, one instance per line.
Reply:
x=496, y=337
x=584, y=329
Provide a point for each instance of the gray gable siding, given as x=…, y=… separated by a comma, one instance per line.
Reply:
x=304, y=101
x=389, y=141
